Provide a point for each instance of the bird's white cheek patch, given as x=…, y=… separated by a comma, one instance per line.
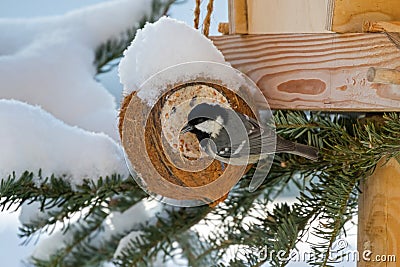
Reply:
x=211, y=127
x=220, y=120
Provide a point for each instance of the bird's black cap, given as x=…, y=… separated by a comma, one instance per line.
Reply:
x=206, y=110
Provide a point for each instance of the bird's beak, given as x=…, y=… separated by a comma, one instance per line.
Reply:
x=186, y=128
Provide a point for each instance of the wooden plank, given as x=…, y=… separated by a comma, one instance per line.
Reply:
x=378, y=222
x=349, y=15
x=316, y=71
x=287, y=16
x=237, y=16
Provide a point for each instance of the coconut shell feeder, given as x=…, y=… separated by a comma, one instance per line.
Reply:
x=170, y=166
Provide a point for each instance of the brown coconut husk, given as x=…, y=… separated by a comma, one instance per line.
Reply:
x=138, y=140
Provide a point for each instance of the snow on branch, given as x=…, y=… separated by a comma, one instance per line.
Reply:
x=32, y=139
x=49, y=61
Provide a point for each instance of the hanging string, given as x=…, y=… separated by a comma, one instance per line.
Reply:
x=207, y=19
x=197, y=15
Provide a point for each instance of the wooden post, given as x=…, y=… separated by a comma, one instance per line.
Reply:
x=238, y=17
x=378, y=219
x=308, y=16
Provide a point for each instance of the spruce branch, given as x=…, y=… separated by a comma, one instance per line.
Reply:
x=80, y=233
x=160, y=236
x=57, y=192
x=194, y=248
x=228, y=222
x=347, y=157
x=88, y=245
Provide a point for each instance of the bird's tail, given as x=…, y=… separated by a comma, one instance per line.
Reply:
x=305, y=151
x=287, y=146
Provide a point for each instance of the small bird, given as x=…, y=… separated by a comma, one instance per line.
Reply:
x=237, y=139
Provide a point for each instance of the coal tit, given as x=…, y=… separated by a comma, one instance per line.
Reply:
x=237, y=139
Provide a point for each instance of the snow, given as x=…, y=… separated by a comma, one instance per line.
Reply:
x=161, y=45
x=126, y=240
x=49, y=61
x=54, y=116
x=144, y=211
x=82, y=25
x=10, y=244
x=121, y=222
x=32, y=139
x=30, y=213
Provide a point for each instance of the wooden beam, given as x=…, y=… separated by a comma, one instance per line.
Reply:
x=378, y=222
x=308, y=16
x=316, y=71
x=237, y=16
x=349, y=15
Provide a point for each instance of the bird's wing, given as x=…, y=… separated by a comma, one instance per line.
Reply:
x=240, y=146
x=265, y=137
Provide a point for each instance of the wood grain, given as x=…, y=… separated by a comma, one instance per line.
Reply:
x=308, y=16
x=381, y=26
x=349, y=15
x=381, y=75
x=237, y=16
x=378, y=219
x=316, y=71
x=287, y=16
x=223, y=27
